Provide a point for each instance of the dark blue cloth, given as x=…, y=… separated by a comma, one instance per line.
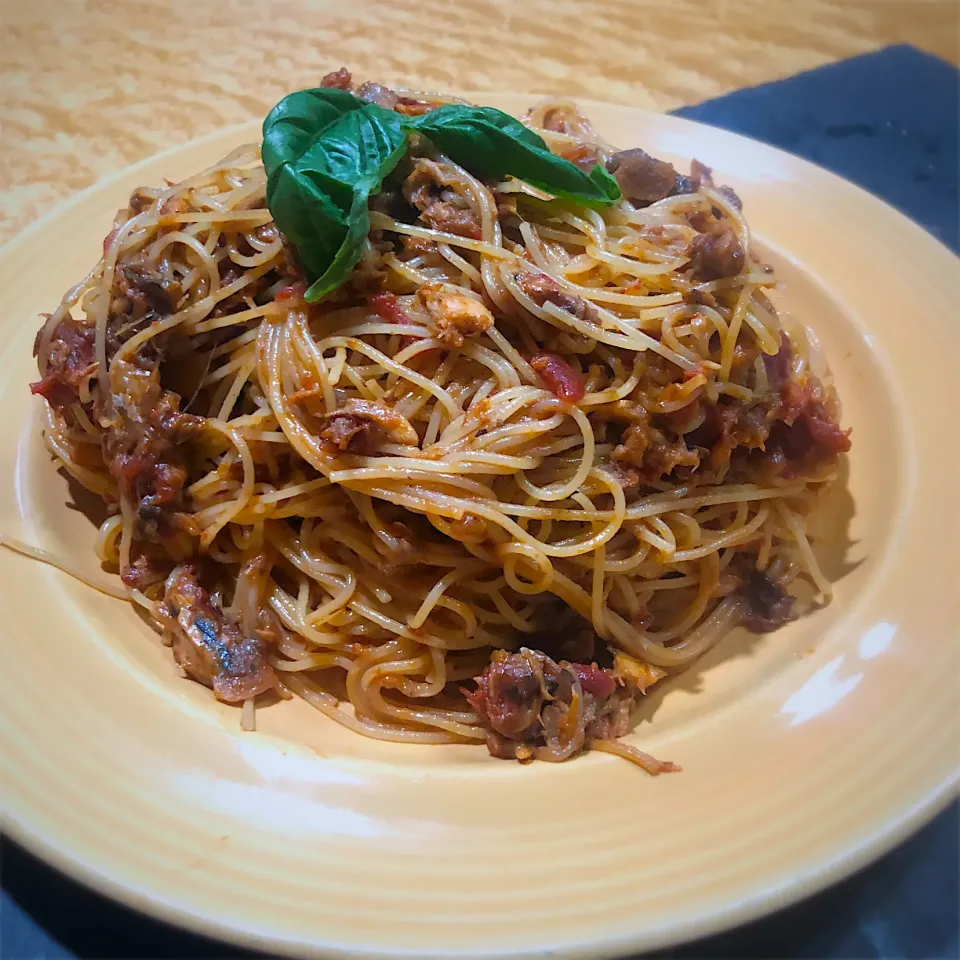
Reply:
x=889, y=122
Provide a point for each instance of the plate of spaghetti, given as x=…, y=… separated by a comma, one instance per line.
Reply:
x=475, y=526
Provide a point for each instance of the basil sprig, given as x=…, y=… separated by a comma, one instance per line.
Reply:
x=490, y=143
x=326, y=152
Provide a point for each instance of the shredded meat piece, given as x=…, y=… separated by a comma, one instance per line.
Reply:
x=509, y=695
x=174, y=206
x=563, y=120
x=346, y=431
x=338, y=79
x=732, y=196
x=788, y=431
x=535, y=707
x=439, y=207
x=144, y=435
x=626, y=476
x=306, y=393
x=454, y=314
x=716, y=254
x=396, y=427
x=70, y=361
x=418, y=246
x=145, y=450
x=768, y=605
x=824, y=433
x=644, y=179
x=422, y=187
x=728, y=426
x=582, y=155
x=807, y=439
x=449, y=218
x=702, y=176
x=778, y=366
x=658, y=456
x=209, y=644
x=541, y=288
x=645, y=446
x=361, y=426
x=375, y=93
x=160, y=294
x=719, y=434
x=146, y=569
x=413, y=108
x=139, y=201
x=140, y=295
x=599, y=683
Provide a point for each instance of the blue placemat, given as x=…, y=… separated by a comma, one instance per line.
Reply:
x=889, y=122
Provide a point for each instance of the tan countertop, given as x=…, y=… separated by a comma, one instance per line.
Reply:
x=88, y=86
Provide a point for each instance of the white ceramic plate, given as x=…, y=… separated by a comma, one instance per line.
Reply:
x=806, y=753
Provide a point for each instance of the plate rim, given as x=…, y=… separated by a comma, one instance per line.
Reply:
x=848, y=859
x=763, y=903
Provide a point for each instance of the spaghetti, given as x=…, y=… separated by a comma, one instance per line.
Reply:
x=530, y=458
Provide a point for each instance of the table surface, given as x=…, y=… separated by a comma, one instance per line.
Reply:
x=89, y=86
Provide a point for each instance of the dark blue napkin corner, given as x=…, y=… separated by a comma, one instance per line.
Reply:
x=888, y=121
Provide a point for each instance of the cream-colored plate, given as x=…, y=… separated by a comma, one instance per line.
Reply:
x=806, y=752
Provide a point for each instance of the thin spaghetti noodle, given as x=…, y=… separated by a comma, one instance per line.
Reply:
x=530, y=458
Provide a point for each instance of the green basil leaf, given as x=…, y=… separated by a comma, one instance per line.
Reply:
x=491, y=143
x=325, y=152
x=294, y=124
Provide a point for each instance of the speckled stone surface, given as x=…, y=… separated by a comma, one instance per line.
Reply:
x=88, y=86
